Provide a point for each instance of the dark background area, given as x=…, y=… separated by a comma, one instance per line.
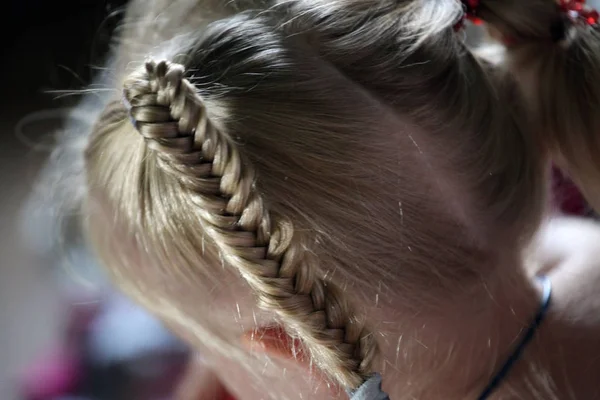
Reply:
x=53, y=44
x=50, y=47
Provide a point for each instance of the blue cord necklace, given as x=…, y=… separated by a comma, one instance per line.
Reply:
x=525, y=340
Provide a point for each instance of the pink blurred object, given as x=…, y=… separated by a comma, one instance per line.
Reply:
x=59, y=372
x=55, y=375
x=566, y=196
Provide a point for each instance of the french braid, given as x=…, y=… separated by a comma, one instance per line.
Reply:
x=169, y=113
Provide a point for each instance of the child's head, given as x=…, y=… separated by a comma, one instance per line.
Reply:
x=330, y=169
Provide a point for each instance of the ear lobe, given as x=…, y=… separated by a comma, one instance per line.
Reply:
x=275, y=341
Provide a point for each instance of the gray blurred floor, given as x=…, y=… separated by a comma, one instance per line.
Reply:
x=53, y=50
x=30, y=314
x=29, y=307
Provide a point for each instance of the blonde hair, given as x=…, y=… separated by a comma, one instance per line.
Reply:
x=271, y=144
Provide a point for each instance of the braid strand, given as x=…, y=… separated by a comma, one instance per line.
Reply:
x=168, y=112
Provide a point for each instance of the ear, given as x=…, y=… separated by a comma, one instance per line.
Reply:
x=274, y=341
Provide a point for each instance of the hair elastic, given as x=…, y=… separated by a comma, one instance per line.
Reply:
x=578, y=11
x=127, y=104
x=370, y=390
x=470, y=13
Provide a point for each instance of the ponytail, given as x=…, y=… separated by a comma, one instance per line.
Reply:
x=553, y=50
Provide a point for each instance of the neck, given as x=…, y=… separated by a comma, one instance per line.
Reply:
x=454, y=351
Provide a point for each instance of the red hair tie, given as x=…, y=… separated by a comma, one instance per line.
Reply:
x=577, y=11
x=470, y=8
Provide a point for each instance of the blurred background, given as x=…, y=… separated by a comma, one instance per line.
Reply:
x=64, y=333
